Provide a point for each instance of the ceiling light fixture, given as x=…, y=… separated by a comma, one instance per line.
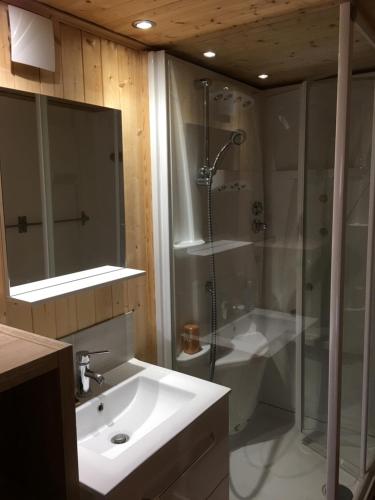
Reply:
x=143, y=24
x=210, y=54
x=263, y=76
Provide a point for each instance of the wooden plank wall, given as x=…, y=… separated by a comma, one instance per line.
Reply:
x=99, y=71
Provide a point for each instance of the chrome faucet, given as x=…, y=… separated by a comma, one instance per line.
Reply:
x=85, y=375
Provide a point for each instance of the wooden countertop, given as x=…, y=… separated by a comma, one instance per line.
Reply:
x=24, y=355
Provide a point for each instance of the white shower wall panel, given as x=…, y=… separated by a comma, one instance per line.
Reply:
x=238, y=184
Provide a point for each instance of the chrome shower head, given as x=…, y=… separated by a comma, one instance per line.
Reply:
x=238, y=137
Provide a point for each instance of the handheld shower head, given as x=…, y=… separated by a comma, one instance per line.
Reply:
x=238, y=137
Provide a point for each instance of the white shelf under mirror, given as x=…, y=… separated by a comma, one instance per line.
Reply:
x=40, y=291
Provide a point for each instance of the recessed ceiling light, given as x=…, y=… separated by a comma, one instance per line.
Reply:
x=263, y=76
x=210, y=54
x=143, y=24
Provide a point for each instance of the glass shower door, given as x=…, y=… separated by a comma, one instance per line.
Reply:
x=317, y=266
x=320, y=141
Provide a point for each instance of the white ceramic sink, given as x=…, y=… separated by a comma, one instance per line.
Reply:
x=148, y=409
x=133, y=409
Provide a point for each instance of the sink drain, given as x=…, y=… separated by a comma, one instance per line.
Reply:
x=120, y=438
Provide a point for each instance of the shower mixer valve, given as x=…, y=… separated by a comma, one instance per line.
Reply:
x=258, y=226
x=257, y=208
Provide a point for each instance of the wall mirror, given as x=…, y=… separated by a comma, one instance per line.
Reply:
x=62, y=186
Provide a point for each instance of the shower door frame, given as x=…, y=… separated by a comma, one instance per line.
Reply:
x=349, y=18
x=160, y=177
x=368, y=33
x=344, y=76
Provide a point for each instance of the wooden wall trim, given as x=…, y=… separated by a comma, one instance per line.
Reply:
x=97, y=70
x=71, y=20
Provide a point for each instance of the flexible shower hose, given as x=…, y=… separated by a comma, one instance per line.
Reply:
x=212, y=278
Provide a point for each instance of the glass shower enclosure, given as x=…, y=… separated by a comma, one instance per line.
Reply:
x=244, y=215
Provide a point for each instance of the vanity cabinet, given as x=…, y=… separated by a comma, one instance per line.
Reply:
x=38, y=459
x=194, y=465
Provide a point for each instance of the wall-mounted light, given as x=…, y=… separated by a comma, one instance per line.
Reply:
x=143, y=24
x=263, y=76
x=209, y=54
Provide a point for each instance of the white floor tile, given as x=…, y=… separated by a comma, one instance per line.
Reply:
x=269, y=462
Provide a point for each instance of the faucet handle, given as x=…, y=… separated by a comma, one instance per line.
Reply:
x=88, y=353
x=83, y=357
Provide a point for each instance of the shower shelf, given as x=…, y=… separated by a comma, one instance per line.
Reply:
x=219, y=246
x=183, y=245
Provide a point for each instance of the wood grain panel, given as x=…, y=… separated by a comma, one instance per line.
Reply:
x=18, y=315
x=65, y=18
x=290, y=40
x=51, y=83
x=132, y=142
x=44, y=319
x=103, y=303
x=181, y=19
x=126, y=297
x=150, y=315
x=290, y=49
x=6, y=76
x=66, y=316
x=85, y=309
x=111, y=89
x=26, y=78
x=90, y=68
x=72, y=66
x=118, y=299
x=4, y=282
x=132, y=67
x=367, y=9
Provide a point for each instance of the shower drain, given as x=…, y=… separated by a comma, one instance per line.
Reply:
x=119, y=438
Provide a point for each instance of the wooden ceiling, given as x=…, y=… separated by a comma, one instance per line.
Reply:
x=292, y=40
x=179, y=20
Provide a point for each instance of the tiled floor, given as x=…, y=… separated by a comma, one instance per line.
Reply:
x=269, y=462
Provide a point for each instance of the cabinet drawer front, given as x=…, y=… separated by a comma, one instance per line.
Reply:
x=222, y=491
x=202, y=477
